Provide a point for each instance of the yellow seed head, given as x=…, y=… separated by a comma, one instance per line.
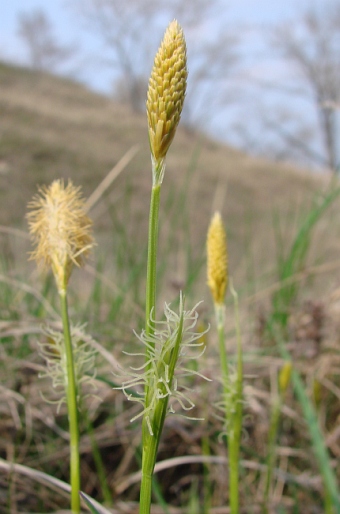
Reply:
x=166, y=91
x=217, y=259
x=60, y=229
x=284, y=377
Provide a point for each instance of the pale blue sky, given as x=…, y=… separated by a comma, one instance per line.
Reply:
x=248, y=14
x=249, y=18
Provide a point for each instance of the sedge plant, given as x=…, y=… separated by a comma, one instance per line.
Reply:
x=167, y=343
x=164, y=347
x=165, y=98
x=61, y=233
x=232, y=381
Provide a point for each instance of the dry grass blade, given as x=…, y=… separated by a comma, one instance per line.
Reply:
x=303, y=479
x=110, y=177
x=41, y=477
x=14, y=232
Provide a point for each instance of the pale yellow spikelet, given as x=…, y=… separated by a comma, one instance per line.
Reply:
x=285, y=376
x=60, y=229
x=217, y=259
x=166, y=93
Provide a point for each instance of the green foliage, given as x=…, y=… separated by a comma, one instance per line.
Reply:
x=283, y=301
x=292, y=258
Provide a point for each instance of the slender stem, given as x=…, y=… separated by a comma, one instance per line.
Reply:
x=148, y=463
x=153, y=426
x=71, y=395
x=150, y=447
x=238, y=406
x=145, y=493
x=232, y=450
x=150, y=442
x=220, y=316
x=233, y=404
x=150, y=300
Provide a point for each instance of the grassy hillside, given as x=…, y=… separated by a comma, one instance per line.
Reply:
x=51, y=128
x=278, y=229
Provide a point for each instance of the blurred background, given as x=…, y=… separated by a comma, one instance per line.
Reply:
x=258, y=141
x=264, y=76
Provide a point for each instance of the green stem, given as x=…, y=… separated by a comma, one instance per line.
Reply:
x=238, y=408
x=233, y=407
x=150, y=448
x=150, y=445
x=220, y=316
x=145, y=493
x=239, y=383
x=150, y=300
x=71, y=395
x=150, y=442
x=152, y=430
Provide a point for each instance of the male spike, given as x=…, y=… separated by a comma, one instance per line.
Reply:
x=60, y=229
x=166, y=93
x=217, y=259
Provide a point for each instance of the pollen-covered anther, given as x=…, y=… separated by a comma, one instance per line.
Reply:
x=217, y=259
x=60, y=229
x=166, y=93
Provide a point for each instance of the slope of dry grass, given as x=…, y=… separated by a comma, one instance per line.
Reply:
x=51, y=128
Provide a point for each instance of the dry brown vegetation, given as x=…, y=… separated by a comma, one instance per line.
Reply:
x=52, y=128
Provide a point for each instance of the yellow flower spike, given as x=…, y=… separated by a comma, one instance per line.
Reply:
x=217, y=259
x=60, y=230
x=284, y=377
x=166, y=93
